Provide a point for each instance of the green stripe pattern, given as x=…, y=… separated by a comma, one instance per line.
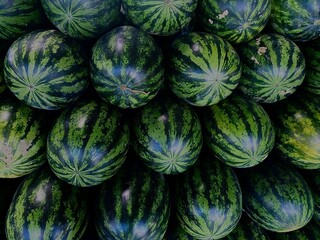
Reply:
x=168, y=135
x=296, y=19
x=83, y=19
x=22, y=139
x=126, y=67
x=135, y=204
x=297, y=125
x=203, y=68
x=88, y=143
x=160, y=17
x=273, y=68
x=45, y=207
x=208, y=200
x=46, y=69
x=239, y=131
x=236, y=21
x=277, y=197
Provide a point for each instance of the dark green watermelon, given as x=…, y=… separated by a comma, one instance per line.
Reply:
x=83, y=19
x=44, y=207
x=126, y=67
x=239, y=131
x=208, y=199
x=135, y=204
x=237, y=20
x=202, y=68
x=88, y=143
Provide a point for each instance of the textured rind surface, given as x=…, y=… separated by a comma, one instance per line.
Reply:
x=135, y=204
x=203, y=68
x=208, y=199
x=45, y=207
x=239, y=131
x=46, y=69
x=83, y=19
x=88, y=143
x=236, y=21
x=273, y=68
x=126, y=67
x=160, y=17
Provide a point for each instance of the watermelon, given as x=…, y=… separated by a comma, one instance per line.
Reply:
x=276, y=196
x=237, y=20
x=202, y=68
x=167, y=135
x=239, y=131
x=296, y=19
x=273, y=68
x=208, y=199
x=44, y=207
x=126, y=67
x=88, y=143
x=46, y=69
x=297, y=123
x=22, y=139
x=135, y=204
x=18, y=17
x=83, y=19
x=160, y=17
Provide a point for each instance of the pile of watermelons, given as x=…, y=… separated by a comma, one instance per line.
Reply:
x=159, y=119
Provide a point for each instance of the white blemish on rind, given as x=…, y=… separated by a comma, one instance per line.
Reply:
x=223, y=14
x=210, y=21
x=262, y=50
x=258, y=40
x=255, y=60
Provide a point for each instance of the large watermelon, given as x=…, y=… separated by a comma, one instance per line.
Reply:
x=44, y=207
x=236, y=20
x=46, y=69
x=88, y=143
x=126, y=67
x=203, y=68
x=239, y=131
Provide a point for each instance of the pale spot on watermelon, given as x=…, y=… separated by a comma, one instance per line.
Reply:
x=262, y=50
x=4, y=116
x=140, y=230
x=41, y=195
x=223, y=14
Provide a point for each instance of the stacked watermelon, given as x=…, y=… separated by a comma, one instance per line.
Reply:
x=163, y=119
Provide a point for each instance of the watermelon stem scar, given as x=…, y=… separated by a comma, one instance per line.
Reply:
x=124, y=88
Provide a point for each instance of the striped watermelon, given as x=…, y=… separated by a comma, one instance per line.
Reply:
x=135, y=204
x=44, y=207
x=273, y=67
x=83, y=19
x=46, y=69
x=167, y=135
x=126, y=67
x=297, y=123
x=296, y=19
x=88, y=143
x=237, y=20
x=22, y=139
x=203, y=68
x=277, y=197
x=208, y=199
x=239, y=131
x=160, y=17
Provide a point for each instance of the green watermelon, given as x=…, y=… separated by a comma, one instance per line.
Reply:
x=46, y=69
x=167, y=135
x=88, y=143
x=296, y=19
x=18, y=17
x=44, y=207
x=276, y=196
x=83, y=19
x=22, y=139
x=208, y=199
x=237, y=20
x=126, y=67
x=239, y=131
x=297, y=123
x=160, y=17
x=135, y=204
x=273, y=68
x=202, y=68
